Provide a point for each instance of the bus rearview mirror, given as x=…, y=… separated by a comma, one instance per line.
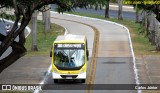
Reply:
x=50, y=53
x=87, y=53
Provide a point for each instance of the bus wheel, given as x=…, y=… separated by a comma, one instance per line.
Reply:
x=55, y=80
x=83, y=80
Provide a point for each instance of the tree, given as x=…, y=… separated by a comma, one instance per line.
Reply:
x=137, y=13
x=34, y=32
x=107, y=9
x=120, y=9
x=149, y=24
x=138, y=8
x=149, y=7
x=46, y=18
x=23, y=10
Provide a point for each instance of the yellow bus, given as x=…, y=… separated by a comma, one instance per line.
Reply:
x=69, y=58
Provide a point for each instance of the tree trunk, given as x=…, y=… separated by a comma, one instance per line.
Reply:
x=18, y=50
x=158, y=43
x=158, y=48
x=90, y=6
x=100, y=6
x=46, y=19
x=96, y=6
x=137, y=14
x=34, y=32
x=120, y=9
x=9, y=39
x=157, y=12
x=145, y=22
x=107, y=9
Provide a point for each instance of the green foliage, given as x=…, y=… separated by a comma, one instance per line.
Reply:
x=25, y=8
x=6, y=4
x=63, y=5
x=147, y=5
x=68, y=5
x=113, y=1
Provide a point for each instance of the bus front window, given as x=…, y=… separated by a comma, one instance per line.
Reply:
x=69, y=58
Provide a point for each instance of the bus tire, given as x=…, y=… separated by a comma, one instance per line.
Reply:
x=55, y=80
x=83, y=80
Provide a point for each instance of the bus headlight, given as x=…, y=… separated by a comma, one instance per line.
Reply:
x=82, y=71
x=55, y=71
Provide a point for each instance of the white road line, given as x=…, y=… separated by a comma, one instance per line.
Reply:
x=42, y=82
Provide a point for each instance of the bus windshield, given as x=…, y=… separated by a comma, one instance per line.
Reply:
x=69, y=57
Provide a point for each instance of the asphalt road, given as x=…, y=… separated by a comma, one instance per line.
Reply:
x=114, y=60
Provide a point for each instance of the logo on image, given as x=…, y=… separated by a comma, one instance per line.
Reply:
x=6, y=87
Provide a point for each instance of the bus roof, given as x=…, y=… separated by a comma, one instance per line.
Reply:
x=69, y=38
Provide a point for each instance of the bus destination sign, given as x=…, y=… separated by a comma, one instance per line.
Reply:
x=69, y=46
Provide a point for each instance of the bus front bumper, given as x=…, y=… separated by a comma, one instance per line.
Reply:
x=69, y=76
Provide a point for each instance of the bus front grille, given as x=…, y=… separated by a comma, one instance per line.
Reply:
x=73, y=76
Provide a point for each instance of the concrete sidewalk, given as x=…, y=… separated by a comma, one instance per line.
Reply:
x=26, y=70
x=149, y=70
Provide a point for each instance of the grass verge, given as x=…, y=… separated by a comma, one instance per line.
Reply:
x=141, y=44
x=44, y=39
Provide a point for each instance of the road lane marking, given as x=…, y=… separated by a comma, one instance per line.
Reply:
x=93, y=63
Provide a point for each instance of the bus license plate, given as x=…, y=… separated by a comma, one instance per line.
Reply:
x=68, y=77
